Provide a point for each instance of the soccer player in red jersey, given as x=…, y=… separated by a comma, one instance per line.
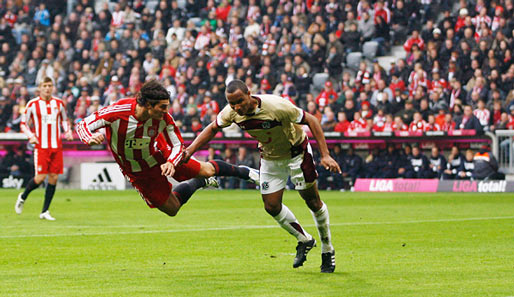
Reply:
x=46, y=113
x=148, y=147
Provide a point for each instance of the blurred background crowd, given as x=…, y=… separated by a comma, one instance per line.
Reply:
x=457, y=72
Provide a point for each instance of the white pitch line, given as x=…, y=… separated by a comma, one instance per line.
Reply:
x=250, y=227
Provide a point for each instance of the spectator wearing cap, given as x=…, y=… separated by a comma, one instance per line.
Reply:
x=327, y=96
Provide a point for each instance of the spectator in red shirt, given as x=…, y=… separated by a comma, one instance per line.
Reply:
x=417, y=124
x=414, y=39
x=342, y=123
x=223, y=10
x=432, y=125
x=327, y=96
x=358, y=124
x=399, y=125
x=449, y=124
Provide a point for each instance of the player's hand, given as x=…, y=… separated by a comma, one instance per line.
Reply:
x=186, y=155
x=97, y=138
x=330, y=164
x=167, y=169
x=69, y=135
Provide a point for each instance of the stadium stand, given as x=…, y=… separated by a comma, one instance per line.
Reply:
x=451, y=64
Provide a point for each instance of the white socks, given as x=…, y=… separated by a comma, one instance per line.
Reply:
x=288, y=221
x=323, y=224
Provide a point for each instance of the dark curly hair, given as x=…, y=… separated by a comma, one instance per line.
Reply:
x=152, y=92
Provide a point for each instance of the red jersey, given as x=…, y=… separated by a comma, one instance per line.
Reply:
x=358, y=126
x=46, y=117
x=135, y=145
x=448, y=126
x=417, y=126
x=432, y=127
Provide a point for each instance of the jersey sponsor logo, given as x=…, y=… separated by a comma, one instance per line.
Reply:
x=138, y=144
x=49, y=119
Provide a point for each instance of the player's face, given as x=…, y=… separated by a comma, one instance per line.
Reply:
x=240, y=102
x=158, y=111
x=46, y=90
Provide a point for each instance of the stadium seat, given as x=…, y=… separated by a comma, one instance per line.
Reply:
x=318, y=80
x=152, y=5
x=369, y=50
x=353, y=60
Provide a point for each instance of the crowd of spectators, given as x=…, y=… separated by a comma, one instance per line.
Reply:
x=457, y=74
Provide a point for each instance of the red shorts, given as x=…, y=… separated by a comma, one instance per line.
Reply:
x=155, y=188
x=48, y=161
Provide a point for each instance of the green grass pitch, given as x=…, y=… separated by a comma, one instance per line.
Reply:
x=222, y=243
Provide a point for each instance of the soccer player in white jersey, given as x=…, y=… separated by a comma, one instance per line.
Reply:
x=285, y=152
x=47, y=114
x=147, y=145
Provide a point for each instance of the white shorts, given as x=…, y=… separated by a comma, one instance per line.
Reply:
x=301, y=168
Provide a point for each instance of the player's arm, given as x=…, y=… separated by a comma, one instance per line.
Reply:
x=65, y=124
x=25, y=118
x=205, y=136
x=326, y=159
x=86, y=128
x=174, y=139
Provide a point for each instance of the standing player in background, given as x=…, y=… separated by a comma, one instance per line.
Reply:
x=46, y=113
x=285, y=151
x=147, y=145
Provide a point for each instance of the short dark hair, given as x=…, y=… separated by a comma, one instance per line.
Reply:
x=235, y=85
x=152, y=92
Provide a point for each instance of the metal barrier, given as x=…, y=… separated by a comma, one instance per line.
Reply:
x=503, y=150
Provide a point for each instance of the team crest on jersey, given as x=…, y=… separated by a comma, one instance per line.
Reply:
x=265, y=185
x=151, y=132
x=39, y=168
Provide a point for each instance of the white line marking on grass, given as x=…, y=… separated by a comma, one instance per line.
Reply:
x=249, y=227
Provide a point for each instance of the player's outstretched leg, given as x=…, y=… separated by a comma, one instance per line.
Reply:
x=183, y=191
x=222, y=168
x=186, y=189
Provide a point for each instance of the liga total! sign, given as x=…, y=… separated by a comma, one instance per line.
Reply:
x=395, y=185
x=432, y=185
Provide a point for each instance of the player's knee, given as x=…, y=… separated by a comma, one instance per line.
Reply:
x=272, y=208
x=207, y=169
